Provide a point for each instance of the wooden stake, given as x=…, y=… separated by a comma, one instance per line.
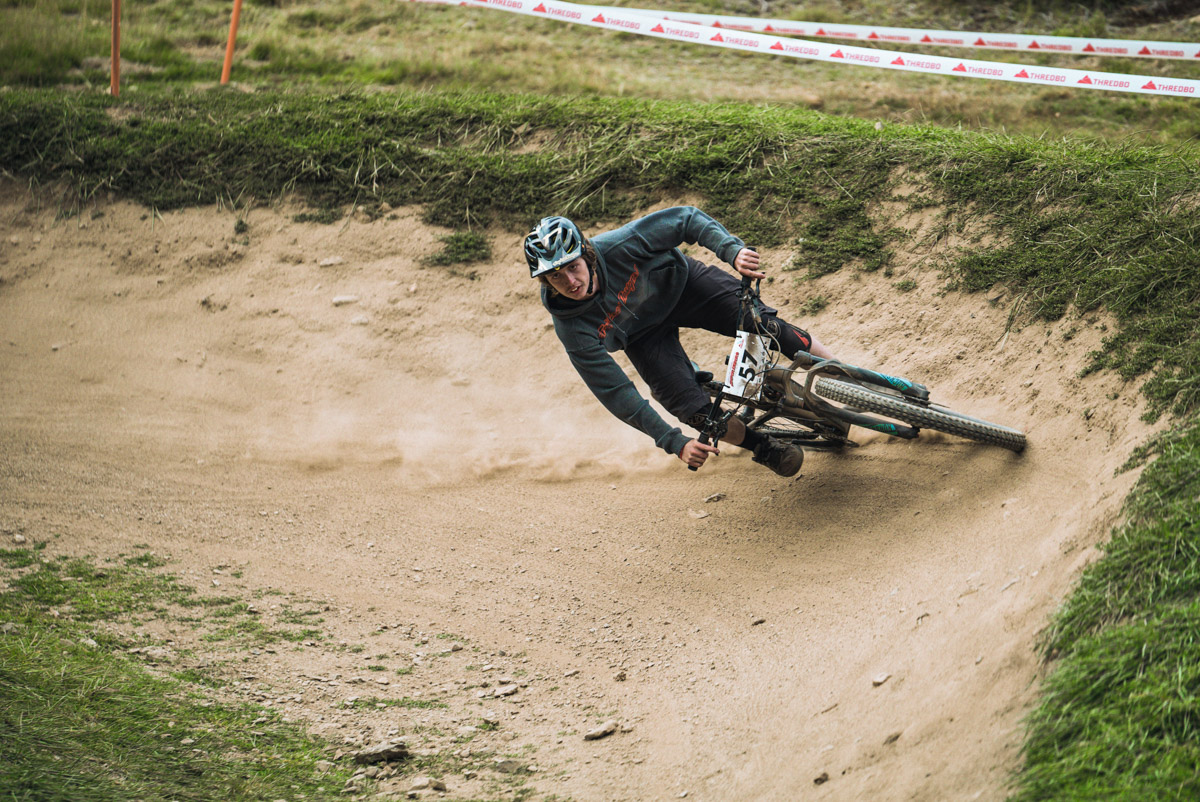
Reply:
x=115, y=88
x=233, y=23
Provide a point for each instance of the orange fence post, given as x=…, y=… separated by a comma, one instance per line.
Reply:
x=233, y=23
x=115, y=88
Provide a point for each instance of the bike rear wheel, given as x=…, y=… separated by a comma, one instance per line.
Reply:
x=937, y=418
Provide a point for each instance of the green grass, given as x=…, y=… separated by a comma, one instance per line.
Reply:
x=81, y=723
x=1120, y=714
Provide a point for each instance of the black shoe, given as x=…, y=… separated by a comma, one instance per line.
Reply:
x=783, y=458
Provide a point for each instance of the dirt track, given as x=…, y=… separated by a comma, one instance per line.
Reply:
x=425, y=458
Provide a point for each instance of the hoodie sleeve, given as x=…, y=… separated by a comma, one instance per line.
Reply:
x=665, y=229
x=619, y=396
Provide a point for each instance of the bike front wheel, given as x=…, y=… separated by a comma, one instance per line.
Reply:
x=924, y=417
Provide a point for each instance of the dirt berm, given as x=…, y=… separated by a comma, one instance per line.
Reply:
x=307, y=412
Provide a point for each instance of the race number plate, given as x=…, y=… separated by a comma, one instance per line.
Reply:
x=747, y=362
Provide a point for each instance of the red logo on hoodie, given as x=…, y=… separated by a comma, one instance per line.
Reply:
x=622, y=298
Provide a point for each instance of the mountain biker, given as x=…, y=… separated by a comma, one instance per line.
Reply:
x=632, y=289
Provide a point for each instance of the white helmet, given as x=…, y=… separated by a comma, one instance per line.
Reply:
x=553, y=243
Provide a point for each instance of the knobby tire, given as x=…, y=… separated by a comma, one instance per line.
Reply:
x=939, y=419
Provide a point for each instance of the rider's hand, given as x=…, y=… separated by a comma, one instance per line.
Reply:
x=694, y=453
x=746, y=263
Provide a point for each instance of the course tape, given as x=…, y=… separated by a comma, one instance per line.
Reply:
x=631, y=22
x=922, y=36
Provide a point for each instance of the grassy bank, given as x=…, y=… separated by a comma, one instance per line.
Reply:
x=80, y=720
x=1120, y=714
x=1072, y=228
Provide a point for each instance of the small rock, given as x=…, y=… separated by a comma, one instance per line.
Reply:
x=456, y=647
x=891, y=739
x=360, y=320
x=821, y=779
x=505, y=690
x=88, y=642
x=758, y=621
x=508, y=767
x=412, y=288
x=331, y=261
x=603, y=731
x=343, y=300
x=714, y=497
x=620, y=676
x=698, y=515
x=882, y=678
x=422, y=783
x=18, y=539
x=324, y=766
x=8, y=626
x=383, y=751
x=573, y=672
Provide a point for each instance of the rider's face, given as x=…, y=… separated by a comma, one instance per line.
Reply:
x=572, y=281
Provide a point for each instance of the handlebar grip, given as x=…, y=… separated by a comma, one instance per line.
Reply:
x=703, y=439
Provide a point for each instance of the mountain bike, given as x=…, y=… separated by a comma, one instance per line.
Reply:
x=814, y=402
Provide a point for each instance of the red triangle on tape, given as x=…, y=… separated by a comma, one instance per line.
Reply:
x=657, y=28
x=838, y=54
x=1085, y=80
x=717, y=38
x=1021, y=74
x=1034, y=46
x=768, y=29
x=540, y=8
x=1145, y=51
x=717, y=24
x=979, y=42
x=926, y=38
x=820, y=32
x=1088, y=48
x=599, y=18
x=777, y=46
x=1150, y=85
x=899, y=60
x=873, y=35
x=960, y=68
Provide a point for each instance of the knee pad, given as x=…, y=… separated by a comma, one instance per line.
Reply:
x=789, y=338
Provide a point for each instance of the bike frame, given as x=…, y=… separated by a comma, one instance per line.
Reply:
x=750, y=370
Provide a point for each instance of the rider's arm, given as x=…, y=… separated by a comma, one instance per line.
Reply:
x=619, y=396
x=650, y=236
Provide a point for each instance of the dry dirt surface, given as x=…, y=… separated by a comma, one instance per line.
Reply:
x=308, y=414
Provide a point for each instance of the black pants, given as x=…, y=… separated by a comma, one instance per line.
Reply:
x=709, y=301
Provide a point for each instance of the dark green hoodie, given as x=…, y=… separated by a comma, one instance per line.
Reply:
x=640, y=275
